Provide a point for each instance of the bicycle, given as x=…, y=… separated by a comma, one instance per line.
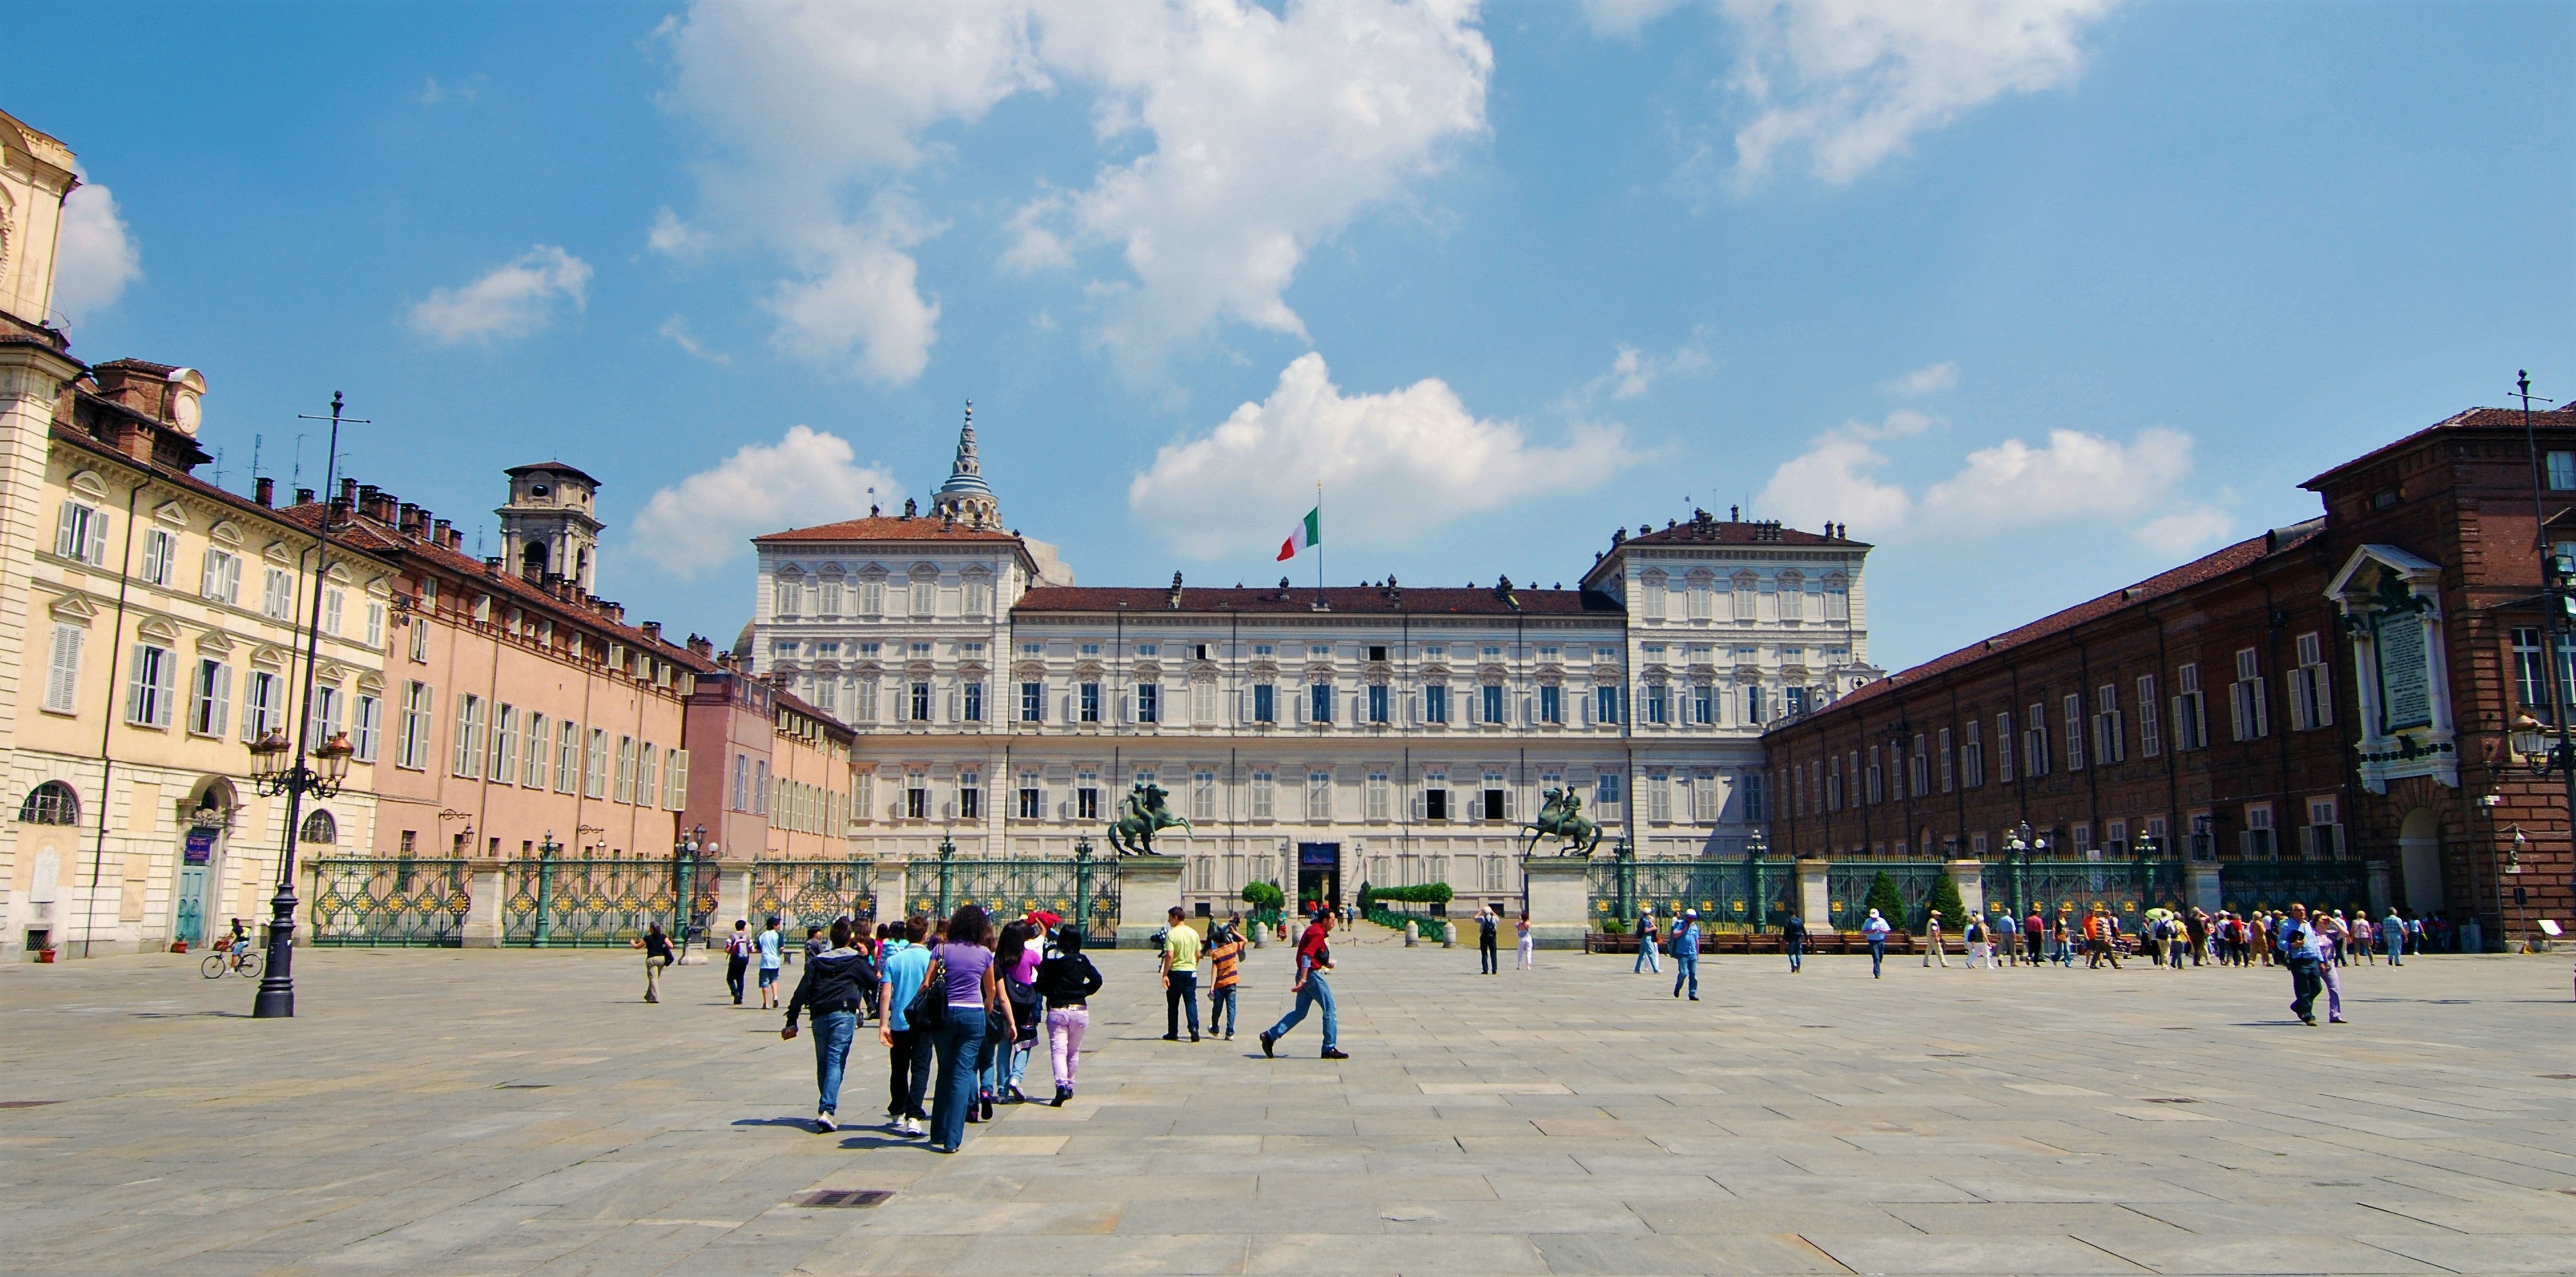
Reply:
x=227, y=956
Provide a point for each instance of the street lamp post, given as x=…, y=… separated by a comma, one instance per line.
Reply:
x=546, y=853
x=2558, y=587
x=280, y=768
x=684, y=867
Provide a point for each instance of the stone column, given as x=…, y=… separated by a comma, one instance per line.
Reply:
x=1969, y=876
x=1560, y=900
x=894, y=889
x=483, y=894
x=1149, y=888
x=733, y=896
x=2377, y=876
x=2201, y=886
x=1815, y=904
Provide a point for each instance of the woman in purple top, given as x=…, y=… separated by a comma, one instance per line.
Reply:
x=974, y=989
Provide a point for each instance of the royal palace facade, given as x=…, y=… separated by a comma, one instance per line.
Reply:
x=1318, y=738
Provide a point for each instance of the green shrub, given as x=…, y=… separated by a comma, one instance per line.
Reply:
x=1431, y=929
x=1945, y=901
x=1429, y=893
x=1614, y=926
x=1883, y=897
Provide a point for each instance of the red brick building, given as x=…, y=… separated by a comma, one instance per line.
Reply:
x=2339, y=690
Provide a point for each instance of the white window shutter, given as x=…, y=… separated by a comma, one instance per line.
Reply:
x=2324, y=689
x=98, y=539
x=63, y=530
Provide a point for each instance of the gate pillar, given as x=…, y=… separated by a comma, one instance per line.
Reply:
x=483, y=894
x=1815, y=900
x=733, y=894
x=1149, y=888
x=2201, y=885
x=1969, y=876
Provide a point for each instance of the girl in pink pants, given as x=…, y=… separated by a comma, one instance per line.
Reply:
x=1066, y=981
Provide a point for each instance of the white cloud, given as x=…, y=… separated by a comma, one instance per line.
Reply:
x=1904, y=423
x=514, y=299
x=1393, y=465
x=96, y=258
x=694, y=526
x=1625, y=17
x=674, y=238
x=2184, y=531
x=1927, y=379
x=1853, y=82
x=677, y=329
x=2074, y=476
x=1634, y=372
x=433, y=93
x=1269, y=131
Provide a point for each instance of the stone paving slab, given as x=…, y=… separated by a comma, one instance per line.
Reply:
x=521, y=1112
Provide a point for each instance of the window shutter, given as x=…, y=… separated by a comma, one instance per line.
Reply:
x=98, y=539
x=137, y=687
x=1417, y=805
x=2298, y=700
x=63, y=530
x=2322, y=687
x=1511, y=802
x=2262, y=706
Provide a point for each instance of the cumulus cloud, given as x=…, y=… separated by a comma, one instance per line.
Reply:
x=1851, y=83
x=2184, y=531
x=1393, y=465
x=514, y=299
x=1243, y=138
x=96, y=258
x=674, y=238
x=2073, y=476
x=694, y=526
x=1928, y=379
x=1625, y=17
x=1633, y=372
x=676, y=328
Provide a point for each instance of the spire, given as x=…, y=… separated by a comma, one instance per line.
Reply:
x=966, y=498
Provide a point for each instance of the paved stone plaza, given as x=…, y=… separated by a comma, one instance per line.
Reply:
x=447, y=1112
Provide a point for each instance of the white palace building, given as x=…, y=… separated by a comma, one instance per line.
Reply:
x=1379, y=733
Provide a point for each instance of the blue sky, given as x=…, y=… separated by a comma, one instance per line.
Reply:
x=2039, y=295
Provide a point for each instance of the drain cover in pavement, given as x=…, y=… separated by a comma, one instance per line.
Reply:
x=854, y=1197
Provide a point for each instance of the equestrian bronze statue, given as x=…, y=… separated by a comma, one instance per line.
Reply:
x=1141, y=815
x=1561, y=816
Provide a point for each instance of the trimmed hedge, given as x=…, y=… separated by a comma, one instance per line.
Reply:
x=1429, y=893
x=1430, y=928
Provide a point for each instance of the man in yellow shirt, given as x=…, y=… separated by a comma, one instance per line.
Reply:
x=1180, y=978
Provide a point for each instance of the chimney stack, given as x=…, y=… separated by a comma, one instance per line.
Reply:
x=438, y=531
x=652, y=630
x=304, y=496
x=700, y=647
x=264, y=491
x=348, y=492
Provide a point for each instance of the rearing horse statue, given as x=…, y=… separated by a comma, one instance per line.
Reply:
x=1561, y=815
x=1140, y=816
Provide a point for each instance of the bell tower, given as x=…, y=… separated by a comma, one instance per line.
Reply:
x=548, y=529
x=966, y=498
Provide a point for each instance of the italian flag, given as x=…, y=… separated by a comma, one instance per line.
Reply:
x=1308, y=535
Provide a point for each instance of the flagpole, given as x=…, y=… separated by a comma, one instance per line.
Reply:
x=1319, y=545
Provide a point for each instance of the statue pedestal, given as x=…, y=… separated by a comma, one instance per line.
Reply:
x=1149, y=888
x=482, y=905
x=1560, y=900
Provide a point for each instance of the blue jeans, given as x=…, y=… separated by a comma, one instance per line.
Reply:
x=1686, y=968
x=958, y=1043
x=1877, y=955
x=1796, y=943
x=2396, y=950
x=832, y=1030
x=1649, y=958
x=990, y=1062
x=2307, y=980
x=1316, y=992
x=1221, y=1010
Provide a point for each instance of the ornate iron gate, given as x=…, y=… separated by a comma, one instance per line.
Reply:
x=1848, y=882
x=2245, y=885
x=1731, y=895
x=593, y=901
x=1081, y=888
x=2072, y=887
x=398, y=901
x=813, y=892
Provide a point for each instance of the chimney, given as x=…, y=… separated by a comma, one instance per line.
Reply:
x=652, y=630
x=700, y=647
x=348, y=492
x=456, y=538
x=406, y=515
x=304, y=496
x=264, y=491
x=438, y=531
x=492, y=565
x=339, y=513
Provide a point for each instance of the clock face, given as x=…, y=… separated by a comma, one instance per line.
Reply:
x=184, y=411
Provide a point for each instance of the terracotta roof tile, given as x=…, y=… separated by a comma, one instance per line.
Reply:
x=2469, y=419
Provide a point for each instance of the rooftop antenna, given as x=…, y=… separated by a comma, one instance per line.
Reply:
x=255, y=441
x=296, y=476
x=219, y=467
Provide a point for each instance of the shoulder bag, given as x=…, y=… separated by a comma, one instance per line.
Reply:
x=929, y=1006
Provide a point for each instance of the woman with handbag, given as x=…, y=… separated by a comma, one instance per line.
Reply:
x=962, y=973
x=1017, y=959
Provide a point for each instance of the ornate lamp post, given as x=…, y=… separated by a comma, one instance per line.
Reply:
x=684, y=867
x=546, y=853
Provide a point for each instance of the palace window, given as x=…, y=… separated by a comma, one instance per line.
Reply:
x=1377, y=703
x=152, y=689
x=1149, y=702
x=1972, y=757
x=970, y=796
x=1703, y=705
x=1605, y=709
x=1265, y=703
x=1032, y=796
x=1086, y=795
x=1756, y=808
x=1945, y=760
x=2190, y=714
x=468, y=760
x=81, y=534
x=916, y=796
x=363, y=727
x=1704, y=798
x=2312, y=684
x=1658, y=704
x=2073, y=705
x=1032, y=702
x=1090, y=703
x=221, y=581
x=2562, y=471
x=411, y=745
x=1435, y=702
x=1435, y=796
x=1493, y=702
x=532, y=773
x=1203, y=795
x=1203, y=702
x=1319, y=703
x=2110, y=742
x=1918, y=769
x=2004, y=747
x=277, y=595
x=1605, y=795
x=567, y=757
x=1262, y=797
x=1659, y=798
x=2151, y=739
x=160, y=554
x=2248, y=708
x=2034, y=742
x=1497, y=798
x=1380, y=795
x=920, y=705
x=1319, y=795
x=1551, y=704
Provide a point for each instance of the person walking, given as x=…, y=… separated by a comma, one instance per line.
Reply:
x=1225, y=973
x=1686, y=954
x=2392, y=937
x=1180, y=969
x=1875, y=931
x=1793, y=939
x=1487, y=923
x=737, y=957
x=773, y=955
x=2034, y=936
x=1528, y=947
x=1649, y=938
x=1932, y=945
x=1017, y=957
x=963, y=967
x=1066, y=981
x=833, y=990
x=1314, y=963
x=1975, y=935
x=2296, y=940
x=906, y=968
x=2330, y=944
x=657, y=955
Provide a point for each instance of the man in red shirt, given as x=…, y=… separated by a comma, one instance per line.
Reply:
x=1314, y=962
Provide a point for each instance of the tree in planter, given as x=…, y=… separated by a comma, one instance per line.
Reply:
x=1946, y=902
x=1268, y=901
x=1884, y=897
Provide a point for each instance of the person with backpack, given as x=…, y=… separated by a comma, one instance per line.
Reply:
x=833, y=987
x=1017, y=958
x=1975, y=935
x=1065, y=983
x=1793, y=939
x=1686, y=954
x=1488, y=923
x=737, y=957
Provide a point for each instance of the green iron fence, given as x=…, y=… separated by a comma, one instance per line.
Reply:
x=813, y=892
x=599, y=900
x=1081, y=889
x=388, y=901
x=2127, y=887
x=1847, y=885
x=1730, y=894
x=2246, y=885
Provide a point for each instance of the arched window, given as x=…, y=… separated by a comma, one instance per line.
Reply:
x=320, y=828
x=51, y=803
